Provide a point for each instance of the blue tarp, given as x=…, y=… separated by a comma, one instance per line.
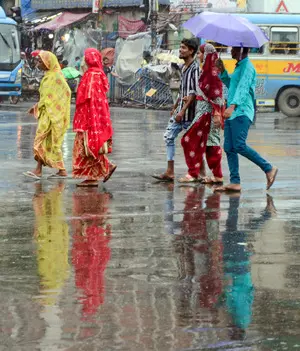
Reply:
x=26, y=7
x=67, y=4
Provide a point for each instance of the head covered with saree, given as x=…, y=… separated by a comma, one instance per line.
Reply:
x=54, y=90
x=210, y=84
x=92, y=111
x=50, y=61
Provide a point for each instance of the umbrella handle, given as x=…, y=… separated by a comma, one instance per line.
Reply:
x=241, y=52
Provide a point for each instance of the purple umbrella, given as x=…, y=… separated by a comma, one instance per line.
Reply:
x=226, y=29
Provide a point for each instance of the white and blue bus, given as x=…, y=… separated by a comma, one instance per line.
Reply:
x=10, y=57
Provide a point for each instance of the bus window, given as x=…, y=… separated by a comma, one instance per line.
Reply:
x=219, y=47
x=284, y=41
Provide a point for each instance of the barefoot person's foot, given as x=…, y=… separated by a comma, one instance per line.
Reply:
x=231, y=188
x=271, y=177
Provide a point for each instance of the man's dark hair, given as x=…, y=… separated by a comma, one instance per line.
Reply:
x=65, y=63
x=77, y=58
x=245, y=51
x=191, y=44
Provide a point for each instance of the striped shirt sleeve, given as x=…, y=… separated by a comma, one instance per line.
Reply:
x=194, y=80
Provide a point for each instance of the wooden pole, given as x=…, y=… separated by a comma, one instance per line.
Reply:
x=100, y=22
x=153, y=19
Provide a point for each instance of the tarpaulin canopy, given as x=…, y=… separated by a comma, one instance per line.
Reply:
x=128, y=27
x=26, y=7
x=67, y=4
x=62, y=20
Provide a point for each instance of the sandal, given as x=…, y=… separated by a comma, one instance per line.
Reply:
x=188, y=179
x=211, y=180
x=111, y=172
x=32, y=175
x=163, y=178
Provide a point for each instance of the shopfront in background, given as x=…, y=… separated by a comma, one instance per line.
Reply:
x=59, y=4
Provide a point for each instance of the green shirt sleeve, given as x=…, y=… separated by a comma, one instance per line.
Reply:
x=244, y=86
x=225, y=78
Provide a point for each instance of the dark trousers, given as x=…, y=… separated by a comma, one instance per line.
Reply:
x=235, y=135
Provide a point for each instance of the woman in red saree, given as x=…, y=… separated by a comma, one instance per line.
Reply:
x=203, y=136
x=92, y=124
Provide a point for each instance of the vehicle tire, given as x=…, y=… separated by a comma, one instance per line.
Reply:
x=289, y=102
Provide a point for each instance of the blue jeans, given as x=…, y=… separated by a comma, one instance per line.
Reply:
x=235, y=134
x=171, y=133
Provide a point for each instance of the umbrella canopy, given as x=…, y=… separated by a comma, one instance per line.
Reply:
x=70, y=73
x=226, y=29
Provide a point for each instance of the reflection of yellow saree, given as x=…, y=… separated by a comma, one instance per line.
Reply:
x=53, y=113
x=52, y=236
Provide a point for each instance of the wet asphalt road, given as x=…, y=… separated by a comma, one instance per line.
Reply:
x=140, y=266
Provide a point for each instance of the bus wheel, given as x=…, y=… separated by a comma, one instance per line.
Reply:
x=289, y=102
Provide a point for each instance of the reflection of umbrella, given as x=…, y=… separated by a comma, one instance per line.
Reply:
x=70, y=73
x=169, y=58
x=226, y=29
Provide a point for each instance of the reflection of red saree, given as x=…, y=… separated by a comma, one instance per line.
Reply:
x=211, y=283
x=91, y=253
x=202, y=226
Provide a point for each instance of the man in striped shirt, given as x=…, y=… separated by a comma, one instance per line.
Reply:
x=183, y=111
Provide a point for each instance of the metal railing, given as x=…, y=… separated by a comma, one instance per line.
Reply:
x=150, y=92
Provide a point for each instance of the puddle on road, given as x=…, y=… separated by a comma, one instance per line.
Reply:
x=144, y=266
x=208, y=273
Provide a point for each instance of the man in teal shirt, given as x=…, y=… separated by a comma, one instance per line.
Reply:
x=239, y=116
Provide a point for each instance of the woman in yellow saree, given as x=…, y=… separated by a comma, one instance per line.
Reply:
x=53, y=115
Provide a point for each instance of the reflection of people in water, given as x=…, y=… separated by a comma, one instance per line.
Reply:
x=199, y=252
x=52, y=237
x=211, y=283
x=239, y=290
x=192, y=232
x=91, y=252
x=171, y=225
